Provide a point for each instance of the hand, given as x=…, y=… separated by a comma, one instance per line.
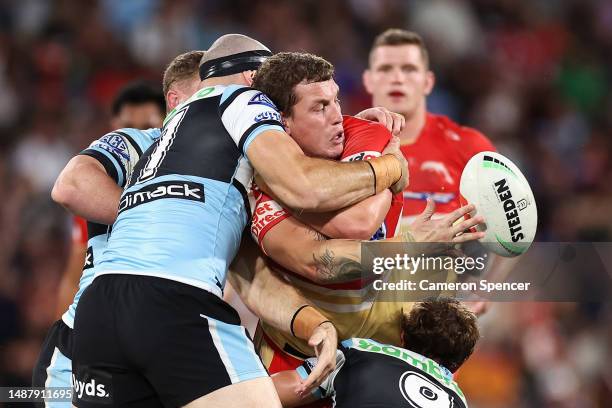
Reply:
x=324, y=340
x=445, y=229
x=392, y=121
x=393, y=147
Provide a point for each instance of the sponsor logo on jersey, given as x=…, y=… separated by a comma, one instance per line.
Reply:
x=265, y=216
x=514, y=222
x=262, y=99
x=267, y=115
x=439, y=168
x=185, y=190
x=89, y=258
x=91, y=388
x=114, y=144
x=421, y=392
x=368, y=154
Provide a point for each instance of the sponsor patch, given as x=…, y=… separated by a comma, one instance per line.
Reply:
x=91, y=385
x=185, y=190
x=114, y=144
x=365, y=155
x=262, y=99
x=89, y=258
x=267, y=115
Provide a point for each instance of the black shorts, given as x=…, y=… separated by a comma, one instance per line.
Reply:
x=53, y=367
x=143, y=341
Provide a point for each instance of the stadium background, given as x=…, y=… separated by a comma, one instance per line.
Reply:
x=532, y=75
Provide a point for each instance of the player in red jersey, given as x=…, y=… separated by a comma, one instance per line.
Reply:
x=303, y=88
x=437, y=149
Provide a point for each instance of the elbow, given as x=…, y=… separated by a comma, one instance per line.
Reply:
x=63, y=192
x=364, y=230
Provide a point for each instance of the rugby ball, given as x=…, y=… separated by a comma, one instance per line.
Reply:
x=503, y=197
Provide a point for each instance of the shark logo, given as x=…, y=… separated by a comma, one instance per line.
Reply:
x=262, y=99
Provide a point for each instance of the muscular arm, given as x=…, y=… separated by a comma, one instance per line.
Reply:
x=359, y=221
x=307, y=183
x=255, y=282
x=85, y=189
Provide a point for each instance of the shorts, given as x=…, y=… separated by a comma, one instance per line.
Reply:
x=53, y=367
x=142, y=341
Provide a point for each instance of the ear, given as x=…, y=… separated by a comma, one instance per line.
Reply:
x=366, y=78
x=172, y=99
x=287, y=123
x=430, y=81
x=248, y=77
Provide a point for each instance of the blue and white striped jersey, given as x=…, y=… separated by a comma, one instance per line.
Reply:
x=185, y=207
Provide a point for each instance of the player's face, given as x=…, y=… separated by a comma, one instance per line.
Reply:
x=316, y=120
x=398, y=79
x=138, y=116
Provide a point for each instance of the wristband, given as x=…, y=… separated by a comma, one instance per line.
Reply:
x=387, y=171
x=305, y=320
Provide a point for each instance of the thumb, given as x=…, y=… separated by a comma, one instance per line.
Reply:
x=315, y=340
x=429, y=210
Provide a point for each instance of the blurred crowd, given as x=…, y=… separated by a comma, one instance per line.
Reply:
x=534, y=76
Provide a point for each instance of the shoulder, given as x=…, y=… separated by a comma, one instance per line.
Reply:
x=472, y=140
x=363, y=135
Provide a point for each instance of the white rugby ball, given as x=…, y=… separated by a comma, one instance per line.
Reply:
x=503, y=197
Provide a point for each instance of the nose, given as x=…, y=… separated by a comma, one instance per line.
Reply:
x=336, y=113
x=397, y=76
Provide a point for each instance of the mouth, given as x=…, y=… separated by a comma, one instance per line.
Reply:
x=338, y=138
x=396, y=94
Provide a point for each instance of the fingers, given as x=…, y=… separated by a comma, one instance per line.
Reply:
x=393, y=147
x=326, y=359
x=398, y=123
x=429, y=210
x=459, y=213
x=468, y=236
x=467, y=224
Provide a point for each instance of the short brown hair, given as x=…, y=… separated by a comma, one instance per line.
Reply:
x=397, y=36
x=279, y=74
x=441, y=329
x=180, y=68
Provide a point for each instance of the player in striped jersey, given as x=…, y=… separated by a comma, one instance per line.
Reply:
x=90, y=186
x=328, y=271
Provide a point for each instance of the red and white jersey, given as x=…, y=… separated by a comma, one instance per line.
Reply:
x=79, y=230
x=362, y=140
x=436, y=160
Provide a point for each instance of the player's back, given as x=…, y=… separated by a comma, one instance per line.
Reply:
x=376, y=375
x=118, y=151
x=184, y=210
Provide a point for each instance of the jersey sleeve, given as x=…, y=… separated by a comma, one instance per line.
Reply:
x=79, y=230
x=266, y=214
x=363, y=139
x=326, y=389
x=119, y=151
x=245, y=113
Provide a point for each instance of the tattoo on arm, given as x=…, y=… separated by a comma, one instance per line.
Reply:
x=332, y=269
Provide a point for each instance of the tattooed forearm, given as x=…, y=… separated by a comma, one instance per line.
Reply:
x=333, y=269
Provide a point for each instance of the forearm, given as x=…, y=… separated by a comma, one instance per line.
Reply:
x=286, y=383
x=359, y=221
x=84, y=188
x=306, y=183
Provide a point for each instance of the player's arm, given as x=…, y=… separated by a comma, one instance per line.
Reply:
x=279, y=304
x=85, y=189
x=306, y=183
x=358, y=221
x=306, y=252
x=68, y=285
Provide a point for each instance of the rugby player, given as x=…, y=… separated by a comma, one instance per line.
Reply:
x=178, y=227
x=328, y=272
x=90, y=186
x=438, y=336
x=137, y=105
x=436, y=148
